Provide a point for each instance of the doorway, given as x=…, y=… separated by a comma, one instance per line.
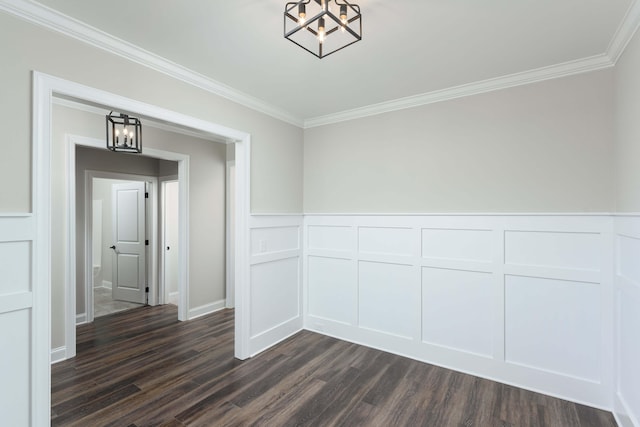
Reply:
x=120, y=228
x=170, y=193
x=45, y=88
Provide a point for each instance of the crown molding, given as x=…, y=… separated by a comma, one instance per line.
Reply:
x=518, y=79
x=39, y=14
x=619, y=42
x=625, y=32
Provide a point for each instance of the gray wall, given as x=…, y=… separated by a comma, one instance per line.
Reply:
x=627, y=112
x=276, y=158
x=544, y=147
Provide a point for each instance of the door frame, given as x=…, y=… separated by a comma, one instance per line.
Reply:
x=162, y=285
x=45, y=87
x=71, y=319
x=230, y=259
x=151, y=222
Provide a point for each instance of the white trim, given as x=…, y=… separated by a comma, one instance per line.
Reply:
x=230, y=263
x=625, y=32
x=203, y=310
x=41, y=268
x=58, y=354
x=80, y=319
x=344, y=238
x=242, y=301
x=579, y=66
x=163, y=297
x=465, y=214
x=59, y=22
x=151, y=216
x=622, y=413
x=67, y=103
x=53, y=20
x=44, y=87
x=173, y=298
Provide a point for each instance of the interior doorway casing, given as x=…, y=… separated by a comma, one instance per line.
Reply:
x=152, y=215
x=163, y=297
x=45, y=87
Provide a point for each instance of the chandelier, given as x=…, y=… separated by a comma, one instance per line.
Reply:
x=124, y=133
x=322, y=27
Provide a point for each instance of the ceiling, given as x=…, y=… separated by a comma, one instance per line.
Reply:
x=409, y=47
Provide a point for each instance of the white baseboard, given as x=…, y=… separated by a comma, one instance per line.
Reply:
x=58, y=354
x=81, y=318
x=273, y=336
x=621, y=412
x=173, y=298
x=206, y=309
x=106, y=284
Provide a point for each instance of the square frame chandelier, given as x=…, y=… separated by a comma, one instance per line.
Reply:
x=322, y=27
x=124, y=133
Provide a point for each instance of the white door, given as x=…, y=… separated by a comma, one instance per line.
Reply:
x=128, y=281
x=171, y=210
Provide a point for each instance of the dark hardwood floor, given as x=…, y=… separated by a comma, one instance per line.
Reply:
x=144, y=368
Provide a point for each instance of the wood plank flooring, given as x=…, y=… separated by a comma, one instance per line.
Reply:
x=144, y=368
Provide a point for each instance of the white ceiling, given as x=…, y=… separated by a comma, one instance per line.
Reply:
x=409, y=47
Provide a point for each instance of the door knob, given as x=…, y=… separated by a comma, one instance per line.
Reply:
x=168, y=248
x=112, y=247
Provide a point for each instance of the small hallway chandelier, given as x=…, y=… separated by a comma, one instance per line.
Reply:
x=322, y=27
x=124, y=133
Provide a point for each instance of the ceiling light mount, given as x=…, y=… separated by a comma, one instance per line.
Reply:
x=124, y=133
x=322, y=27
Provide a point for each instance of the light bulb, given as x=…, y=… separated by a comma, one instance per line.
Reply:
x=302, y=14
x=321, y=34
x=343, y=14
x=125, y=131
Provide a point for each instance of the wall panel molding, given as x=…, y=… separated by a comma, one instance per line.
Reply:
x=17, y=313
x=626, y=396
x=490, y=295
x=275, y=279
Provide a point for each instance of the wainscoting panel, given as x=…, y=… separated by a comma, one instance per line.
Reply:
x=388, y=241
x=16, y=275
x=460, y=245
x=522, y=299
x=275, y=279
x=576, y=251
x=16, y=319
x=553, y=325
x=458, y=310
x=332, y=289
x=389, y=299
x=627, y=321
x=330, y=238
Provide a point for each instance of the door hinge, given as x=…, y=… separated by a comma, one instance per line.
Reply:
x=146, y=289
x=146, y=243
x=146, y=195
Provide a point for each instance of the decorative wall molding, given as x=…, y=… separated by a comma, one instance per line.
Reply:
x=477, y=294
x=18, y=305
x=276, y=279
x=579, y=66
x=626, y=399
x=625, y=32
x=168, y=127
x=203, y=310
x=49, y=18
